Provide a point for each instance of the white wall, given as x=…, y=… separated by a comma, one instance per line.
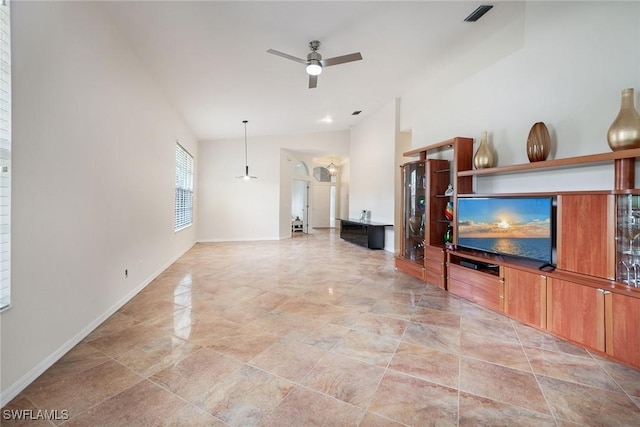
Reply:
x=343, y=189
x=573, y=60
x=93, y=183
x=234, y=209
x=372, y=169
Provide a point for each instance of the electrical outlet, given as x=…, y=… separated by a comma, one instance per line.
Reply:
x=126, y=273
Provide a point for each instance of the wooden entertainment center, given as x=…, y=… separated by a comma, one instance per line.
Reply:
x=591, y=297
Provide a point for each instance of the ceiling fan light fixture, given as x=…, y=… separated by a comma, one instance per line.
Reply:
x=314, y=62
x=314, y=68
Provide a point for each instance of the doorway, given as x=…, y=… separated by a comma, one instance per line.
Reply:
x=299, y=207
x=323, y=205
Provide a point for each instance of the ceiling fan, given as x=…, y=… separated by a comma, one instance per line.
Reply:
x=315, y=63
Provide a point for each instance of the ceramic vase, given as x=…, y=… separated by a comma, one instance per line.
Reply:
x=484, y=156
x=448, y=236
x=624, y=132
x=448, y=211
x=538, y=142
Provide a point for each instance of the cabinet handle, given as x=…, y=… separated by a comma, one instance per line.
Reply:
x=501, y=297
x=502, y=280
x=604, y=292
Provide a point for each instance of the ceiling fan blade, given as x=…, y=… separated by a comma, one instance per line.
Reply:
x=285, y=55
x=313, y=81
x=341, y=59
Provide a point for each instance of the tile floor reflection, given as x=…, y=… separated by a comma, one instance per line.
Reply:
x=314, y=331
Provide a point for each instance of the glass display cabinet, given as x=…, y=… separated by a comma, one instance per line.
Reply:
x=414, y=182
x=429, y=189
x=627, y=239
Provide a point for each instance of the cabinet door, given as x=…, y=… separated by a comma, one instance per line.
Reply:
x=413, y=212
x=586, y=234
x=477, y=286
x=576, y=312
x=623, y=328
x=435, y=269
x=526, y=297
x=410, y=268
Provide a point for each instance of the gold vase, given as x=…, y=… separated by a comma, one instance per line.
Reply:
x=484, y=156
x=624, y=132
x=538, y=143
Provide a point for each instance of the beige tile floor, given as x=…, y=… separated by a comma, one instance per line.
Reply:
x=314, y=331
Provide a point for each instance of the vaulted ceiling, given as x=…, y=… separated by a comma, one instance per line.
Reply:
x=210, y=57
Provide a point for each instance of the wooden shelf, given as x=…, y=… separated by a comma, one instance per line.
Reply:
x=440, y=146
x=556, y=163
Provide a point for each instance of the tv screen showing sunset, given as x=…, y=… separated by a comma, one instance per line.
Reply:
x=511, y=226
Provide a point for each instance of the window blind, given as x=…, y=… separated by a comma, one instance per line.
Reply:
x=184, y=188
x=5, y=156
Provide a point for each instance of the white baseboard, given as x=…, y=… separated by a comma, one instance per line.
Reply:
x=16, y=388
x=256, y=239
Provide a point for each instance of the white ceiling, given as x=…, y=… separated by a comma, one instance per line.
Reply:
x=210, y=57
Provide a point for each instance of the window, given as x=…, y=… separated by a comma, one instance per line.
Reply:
x=5, y=157
x=323, y=174
x=184, y=188
x=301, y=169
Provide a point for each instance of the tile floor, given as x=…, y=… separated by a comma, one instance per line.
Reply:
x=314, y=331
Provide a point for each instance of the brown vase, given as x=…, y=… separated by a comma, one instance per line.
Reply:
x=624, y=132
x=484, y=156
x=538, y=143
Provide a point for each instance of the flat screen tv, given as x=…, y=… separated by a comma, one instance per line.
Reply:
x=515, y=226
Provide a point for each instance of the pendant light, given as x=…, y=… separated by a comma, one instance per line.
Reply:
x=333, y=169
x=246, y=175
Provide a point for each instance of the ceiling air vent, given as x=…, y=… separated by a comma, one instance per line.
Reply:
x=478, y=13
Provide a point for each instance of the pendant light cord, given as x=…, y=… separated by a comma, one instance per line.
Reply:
x=246, y=175
x=246, y=160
